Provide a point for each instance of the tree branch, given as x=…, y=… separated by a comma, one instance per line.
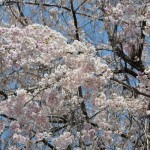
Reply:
x=3, y=94
x=126, y=70
x=130, y=87
x=47, y=143
x=10, y=118
x=75, y=19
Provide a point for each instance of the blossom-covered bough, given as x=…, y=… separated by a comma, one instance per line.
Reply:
x=56, y=95
x=56, y=84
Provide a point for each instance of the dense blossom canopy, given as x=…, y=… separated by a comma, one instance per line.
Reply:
x=88, y=89
x=55, y=82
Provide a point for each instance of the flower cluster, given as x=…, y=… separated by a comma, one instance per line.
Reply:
x=50, y=75
x=63, y=141
x=49, y=72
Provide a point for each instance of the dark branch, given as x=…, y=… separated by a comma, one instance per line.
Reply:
x=47, y=143
x=130, y=87
x=126, y=70
x=80, y=5
x=10, y=118
x=3, y=94
x=75, y=19
x=137, y=65
x=22, y=15
x=57, y=119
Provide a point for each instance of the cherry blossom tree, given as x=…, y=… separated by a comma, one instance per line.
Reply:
x=56, y=81
x=119, y=27
x=65, y=96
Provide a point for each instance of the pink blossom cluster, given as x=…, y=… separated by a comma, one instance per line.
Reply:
x=50, y=72
x=56, y=91
x=63, y=141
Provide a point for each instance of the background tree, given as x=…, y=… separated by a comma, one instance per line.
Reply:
x=119, y=30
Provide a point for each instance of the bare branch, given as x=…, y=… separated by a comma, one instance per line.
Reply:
x=130, y=87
